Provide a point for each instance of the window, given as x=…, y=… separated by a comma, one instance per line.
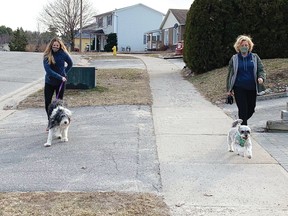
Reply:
x=158, y=37
x=166, y=37
x=100, y=22
x=109, y=20
x=175, y=35
x=145, y=39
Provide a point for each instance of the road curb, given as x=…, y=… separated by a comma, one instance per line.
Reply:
x=272, y=96
x=9, y=102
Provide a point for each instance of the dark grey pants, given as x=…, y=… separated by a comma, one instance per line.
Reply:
x=246, y=103
x=48, y=94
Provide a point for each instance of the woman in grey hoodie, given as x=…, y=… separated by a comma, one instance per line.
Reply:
x=245, y=74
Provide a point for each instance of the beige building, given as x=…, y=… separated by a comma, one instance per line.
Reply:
x=86, y=42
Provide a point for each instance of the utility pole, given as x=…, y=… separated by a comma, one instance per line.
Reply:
x=80, y=48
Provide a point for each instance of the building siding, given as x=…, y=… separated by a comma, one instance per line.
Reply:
x=133, y=22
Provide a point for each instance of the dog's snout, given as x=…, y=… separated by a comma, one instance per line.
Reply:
x=65, y=122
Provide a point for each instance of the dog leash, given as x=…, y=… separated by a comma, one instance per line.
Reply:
x=57, y=96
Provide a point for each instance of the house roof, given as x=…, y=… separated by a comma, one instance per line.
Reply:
x=125, y=8
x=152, y=31
x=179, y=14
x=83, y=35
x=89, y=29
x=140, y=4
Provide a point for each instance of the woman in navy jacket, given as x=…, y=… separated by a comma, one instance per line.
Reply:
x=57, y=63
x=245, y=74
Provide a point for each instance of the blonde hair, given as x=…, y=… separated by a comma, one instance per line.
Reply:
x=242, y=38
x=48, y=50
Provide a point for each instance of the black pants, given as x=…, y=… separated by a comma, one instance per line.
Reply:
x=48, y=94
x=246, y=103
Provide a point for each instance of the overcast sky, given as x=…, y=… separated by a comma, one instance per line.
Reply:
x=24, y=13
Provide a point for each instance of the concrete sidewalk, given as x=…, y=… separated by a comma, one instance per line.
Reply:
x=199, y=175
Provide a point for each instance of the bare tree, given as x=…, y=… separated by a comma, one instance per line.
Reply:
x=64, y=16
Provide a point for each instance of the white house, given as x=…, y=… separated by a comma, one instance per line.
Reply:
x=173, y=26
x=129, y=23
x=170, y=32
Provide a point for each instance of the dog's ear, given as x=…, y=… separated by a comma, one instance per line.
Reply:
x=69, y=112
x=236, y=122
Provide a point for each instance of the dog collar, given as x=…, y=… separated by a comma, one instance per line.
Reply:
x=241, y=141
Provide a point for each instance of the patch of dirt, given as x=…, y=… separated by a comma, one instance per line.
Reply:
x=82, y=204
x=114, y=87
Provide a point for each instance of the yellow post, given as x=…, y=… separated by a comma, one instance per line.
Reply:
x=114, y=50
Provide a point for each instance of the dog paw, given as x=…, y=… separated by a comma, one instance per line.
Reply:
x=64, y=139
x=47, y=144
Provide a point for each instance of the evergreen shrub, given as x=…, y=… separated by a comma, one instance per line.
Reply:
x=212, y=27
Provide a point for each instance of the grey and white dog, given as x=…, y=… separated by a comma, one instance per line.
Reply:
x=238, y=139
x=59, y=122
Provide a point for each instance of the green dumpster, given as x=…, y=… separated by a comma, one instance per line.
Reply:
x=81, y=78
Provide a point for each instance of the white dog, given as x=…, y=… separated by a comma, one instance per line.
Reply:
x=239, y=138
x=59, y=122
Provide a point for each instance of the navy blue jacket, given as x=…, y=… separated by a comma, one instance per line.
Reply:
x=55, y=72
x=258, y=71
x=245, y=75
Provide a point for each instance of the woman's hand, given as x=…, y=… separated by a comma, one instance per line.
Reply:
x=260, y=80
x=64, y=79
x=230, y=93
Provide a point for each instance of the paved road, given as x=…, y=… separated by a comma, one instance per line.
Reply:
x=109, y=148
x=19, y=69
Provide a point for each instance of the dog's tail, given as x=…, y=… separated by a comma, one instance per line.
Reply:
x=237, y=122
